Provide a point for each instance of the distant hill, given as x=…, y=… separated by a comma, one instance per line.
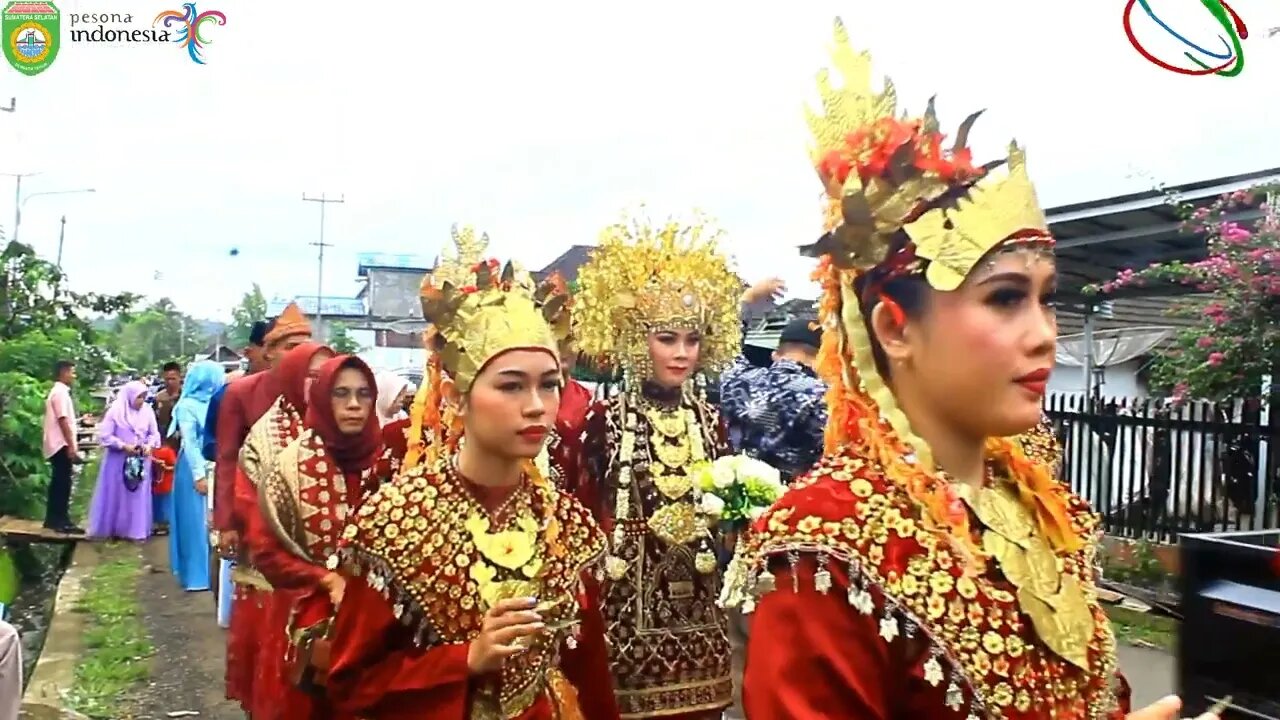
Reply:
x=212, y=327
x=208, y=328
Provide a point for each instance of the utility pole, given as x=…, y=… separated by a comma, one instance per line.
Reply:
x=321, y=245
x=62, y=235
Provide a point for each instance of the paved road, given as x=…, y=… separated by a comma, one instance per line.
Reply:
x=1151, y=673
x=188, y=668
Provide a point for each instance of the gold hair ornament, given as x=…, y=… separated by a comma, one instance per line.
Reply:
x=645, y=277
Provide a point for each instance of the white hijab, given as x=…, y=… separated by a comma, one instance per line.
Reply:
x=390, y=385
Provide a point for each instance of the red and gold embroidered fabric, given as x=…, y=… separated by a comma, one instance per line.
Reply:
x=306, y=501
x=983, y=649
x=415, y=542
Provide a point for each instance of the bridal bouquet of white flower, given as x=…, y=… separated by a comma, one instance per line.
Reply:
x=736, y=489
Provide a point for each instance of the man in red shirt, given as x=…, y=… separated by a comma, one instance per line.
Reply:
x=243, y=403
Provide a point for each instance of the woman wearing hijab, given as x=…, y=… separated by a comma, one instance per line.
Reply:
x=392, y=391
x=121, y=506
x=189, y=524
x=318, y=482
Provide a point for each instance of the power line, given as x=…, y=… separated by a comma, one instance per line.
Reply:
x=321, y=245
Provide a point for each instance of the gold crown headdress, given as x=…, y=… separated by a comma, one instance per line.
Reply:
x=644, y=277
x=477, y=312
x=455, y=263
x=899, y=203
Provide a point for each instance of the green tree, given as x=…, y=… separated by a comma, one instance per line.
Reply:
x=341, y=341
x=22, y=467
x=156, y=335
x=32, y=297
x=41, y=322
x=252, y=308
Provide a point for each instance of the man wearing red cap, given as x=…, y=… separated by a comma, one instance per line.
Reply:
x=244, y=402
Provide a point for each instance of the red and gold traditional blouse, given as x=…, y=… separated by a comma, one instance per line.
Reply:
x=395, y=443
x=305, y=504
x=861, y=610
x=428, y=555
x=268, y=437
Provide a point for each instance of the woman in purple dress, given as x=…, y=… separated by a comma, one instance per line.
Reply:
x=121, y=506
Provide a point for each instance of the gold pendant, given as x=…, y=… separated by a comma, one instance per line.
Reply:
x=1000, y=509
x=675, y=524
x=673, y=487
x=1034, y=568
x=667, y=424
x=673, y=456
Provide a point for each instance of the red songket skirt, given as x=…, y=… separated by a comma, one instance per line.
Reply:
x=256, y=646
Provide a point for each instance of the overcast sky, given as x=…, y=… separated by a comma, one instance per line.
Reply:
x=539, y=121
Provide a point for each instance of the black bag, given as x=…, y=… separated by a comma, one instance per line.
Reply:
x=135, y=471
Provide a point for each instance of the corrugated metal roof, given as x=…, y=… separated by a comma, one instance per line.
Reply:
x=1098, y=239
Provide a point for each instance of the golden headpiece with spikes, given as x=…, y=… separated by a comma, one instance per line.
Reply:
x=900, y=204
x=477, y=311
x=644, y=277
x=455, y=264
x=490, y=314
x=892, y=187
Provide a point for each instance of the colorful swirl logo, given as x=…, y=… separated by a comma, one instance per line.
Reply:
x=190, y=22
x=1228, y=62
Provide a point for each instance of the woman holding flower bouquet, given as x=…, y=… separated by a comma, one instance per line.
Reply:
x=930, y=566
x=661, y=303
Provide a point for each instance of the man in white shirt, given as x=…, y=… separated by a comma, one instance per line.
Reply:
x=61, y=448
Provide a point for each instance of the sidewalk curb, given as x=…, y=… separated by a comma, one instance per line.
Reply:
x=55, y=671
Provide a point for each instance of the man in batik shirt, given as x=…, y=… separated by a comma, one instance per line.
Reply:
x=777, y=414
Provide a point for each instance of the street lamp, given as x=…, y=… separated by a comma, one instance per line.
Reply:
x=17, y=216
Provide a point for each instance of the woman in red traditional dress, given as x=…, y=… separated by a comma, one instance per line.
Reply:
x=470, y=592
x=660, y=302
x=254, y=643
x=318, y=482
x=928, y=567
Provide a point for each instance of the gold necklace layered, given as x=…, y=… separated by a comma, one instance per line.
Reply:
x=675, y=444
x=1054, y=601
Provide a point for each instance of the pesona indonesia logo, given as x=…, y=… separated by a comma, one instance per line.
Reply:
x=188, y=24
x=187, y=28
x=1190, y=37
x=32, y=34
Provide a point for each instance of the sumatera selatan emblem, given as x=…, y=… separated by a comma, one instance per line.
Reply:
x=32, y=33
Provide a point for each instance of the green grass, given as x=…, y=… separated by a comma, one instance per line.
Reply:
x=117, y=649
x=1143, y=629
